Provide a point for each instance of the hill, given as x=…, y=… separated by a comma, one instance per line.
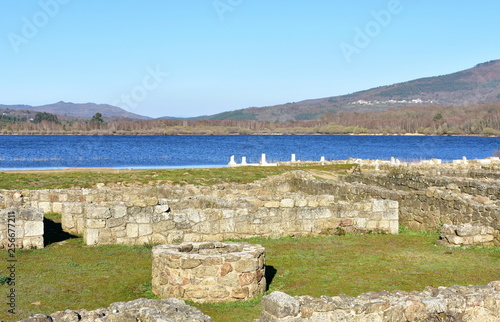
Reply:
x=477, y=85
x=78, y=110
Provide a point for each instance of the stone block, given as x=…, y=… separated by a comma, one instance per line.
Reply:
x=145, y=229
x=91, y=236
x=225, y=269
x=32, y=242
x=98, y=212
x=57, y=207
x=394, y=227
x=479, y=239
x=218, y=292
x=287, y=203
x=132, y=230
x=361, y=222
x=301, y=202
x=95, y=223
x=468, y=230
x=72, y=208
x=312, y=204
x=378, y=206
x=159, y=209
x=390, y=214
x=33, y=228
x=118, y=211
x=245, y=265
x=116, y=222
x=456, y=240
x=281, y=305
x=272, y=204
x=240, y=293
x=45, y=206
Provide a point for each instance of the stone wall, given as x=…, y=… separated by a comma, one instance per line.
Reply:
x=137, y=310
x=466, y=235
x=21, y=228
x=456, y=303
x=293, y=215
x=420, y=210
x=173, y=214
x=426, y=199
x=412, y=180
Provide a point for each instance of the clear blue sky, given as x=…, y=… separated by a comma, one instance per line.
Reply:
x=198, y=57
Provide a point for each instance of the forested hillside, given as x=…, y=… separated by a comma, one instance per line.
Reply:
x=481, y=119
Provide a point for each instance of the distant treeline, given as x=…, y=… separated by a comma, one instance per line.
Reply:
x=429, y=120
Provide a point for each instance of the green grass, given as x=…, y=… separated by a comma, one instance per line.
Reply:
x=74, y=276
x=85, y=179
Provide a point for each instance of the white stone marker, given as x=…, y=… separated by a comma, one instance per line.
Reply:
x=263, y=159
x=232, y=163
x=293, y=158
x=244, y=161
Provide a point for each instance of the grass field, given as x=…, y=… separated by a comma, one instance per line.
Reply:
x=70, y=275
x=62, y=179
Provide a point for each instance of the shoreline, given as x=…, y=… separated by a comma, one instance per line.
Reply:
x=252, y=134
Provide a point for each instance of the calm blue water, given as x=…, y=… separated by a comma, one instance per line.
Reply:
x=44, y=152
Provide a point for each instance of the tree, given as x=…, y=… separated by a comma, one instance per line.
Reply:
x=44, y=116
x=437, y=117
x=97, y=118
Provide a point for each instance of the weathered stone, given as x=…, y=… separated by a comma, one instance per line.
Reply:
x=280, y=305
x=33, y=228
x=225, y=269
x=65, y=316
x=246, y=265
x=187, y=263
x=272, y=204
x=91, y=236
x=218, y=292
x=247, y=278
x=240, y=293
x=287, y=203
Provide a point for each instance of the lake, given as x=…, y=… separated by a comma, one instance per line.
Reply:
x=55, y=152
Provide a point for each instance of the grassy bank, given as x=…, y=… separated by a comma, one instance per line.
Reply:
x=86, y=178
x=69, y=275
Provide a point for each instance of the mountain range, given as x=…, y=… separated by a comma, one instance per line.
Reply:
x=75, y=110
x=477, y=85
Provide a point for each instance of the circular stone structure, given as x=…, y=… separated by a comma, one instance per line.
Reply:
x=208, y=272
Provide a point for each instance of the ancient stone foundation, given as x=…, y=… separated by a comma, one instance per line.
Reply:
x=21, y=228
x=137, y=310
x=456, y=303
x=209, y=271
x=466, y=235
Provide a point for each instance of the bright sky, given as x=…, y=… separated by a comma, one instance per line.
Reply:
x=201, y=57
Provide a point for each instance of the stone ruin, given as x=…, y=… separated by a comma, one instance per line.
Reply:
x=138, y=310
x=21, y=228
x=455, y=303
x=209, y=271
x=466, y=235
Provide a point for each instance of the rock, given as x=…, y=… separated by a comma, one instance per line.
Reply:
x=38, y=318
x=281, y=305
x=66, y=316
x=225, y=269
x=479, y=314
